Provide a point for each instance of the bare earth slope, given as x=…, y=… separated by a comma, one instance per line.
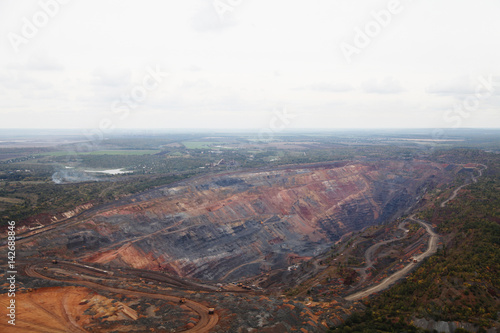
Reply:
x=239, y=224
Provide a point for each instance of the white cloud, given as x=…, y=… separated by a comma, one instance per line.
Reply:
x=388, y=85
x=330, y=87
x=113, y=77
x=37, y=62
x=465, y=85
x=457, y=86
x=230, y=71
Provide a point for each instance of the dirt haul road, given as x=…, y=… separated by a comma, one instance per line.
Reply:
x=205, y=324
x=431, y=249
x=372, y=249
x=474, y=179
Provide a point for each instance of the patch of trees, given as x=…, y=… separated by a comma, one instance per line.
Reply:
x=462, y=281
x=50, y=198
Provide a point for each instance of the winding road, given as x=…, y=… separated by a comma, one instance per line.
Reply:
x=372, y=249
x=205, y=324
x=431, y=249
x=474, y=179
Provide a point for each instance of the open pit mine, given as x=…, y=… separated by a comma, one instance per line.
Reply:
x=228, y=226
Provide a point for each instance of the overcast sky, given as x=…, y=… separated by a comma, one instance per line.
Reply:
x=249, y=63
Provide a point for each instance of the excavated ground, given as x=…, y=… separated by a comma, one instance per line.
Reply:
x=122, y=301
x=79, y=309
x=228, y=226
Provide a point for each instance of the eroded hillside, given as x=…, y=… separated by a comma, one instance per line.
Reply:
x=231, y=225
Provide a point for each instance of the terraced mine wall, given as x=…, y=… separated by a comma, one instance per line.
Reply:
x=226, y=226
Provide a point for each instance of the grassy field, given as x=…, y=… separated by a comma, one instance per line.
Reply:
x=13, y=201
x=125, y=152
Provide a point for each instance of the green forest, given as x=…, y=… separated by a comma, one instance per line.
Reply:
x=462, y=281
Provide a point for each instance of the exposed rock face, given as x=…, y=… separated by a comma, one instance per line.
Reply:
x=228, y=226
